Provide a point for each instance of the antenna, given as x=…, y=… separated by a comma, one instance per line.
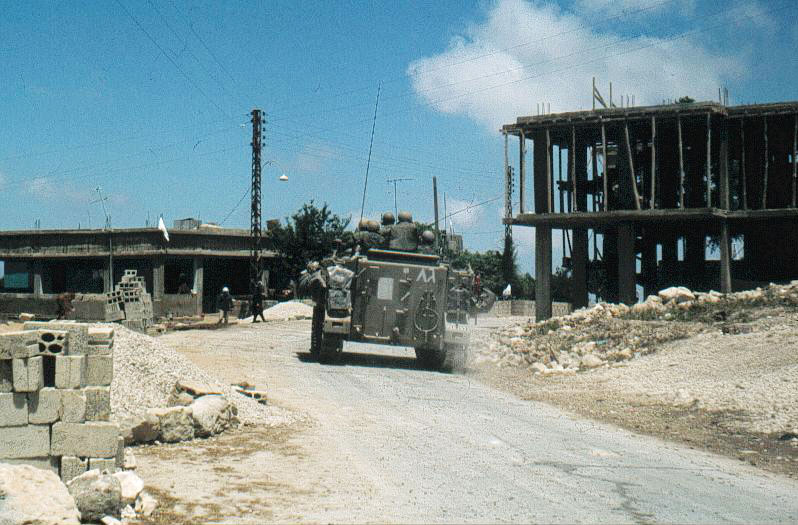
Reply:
x=102, y=200
x=395, y=207
x=371, y=144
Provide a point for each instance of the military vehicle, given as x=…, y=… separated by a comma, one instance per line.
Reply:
x=392, y=288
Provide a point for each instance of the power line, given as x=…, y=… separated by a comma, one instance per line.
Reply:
x=244, y=196
x=171, y=60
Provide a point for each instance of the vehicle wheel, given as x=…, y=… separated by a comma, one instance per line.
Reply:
x=455, y=357
x=315, y=331
x=331, y=347
x=431, y=358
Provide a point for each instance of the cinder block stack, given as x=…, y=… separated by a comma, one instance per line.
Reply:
x=55, y=398
x=130, y=302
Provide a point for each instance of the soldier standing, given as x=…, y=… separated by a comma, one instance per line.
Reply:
x=224, y=303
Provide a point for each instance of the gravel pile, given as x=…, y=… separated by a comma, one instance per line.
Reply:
x=145, y=373
x=287, y=311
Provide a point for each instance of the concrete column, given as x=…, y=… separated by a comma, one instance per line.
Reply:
x=627, y=271
x=725, y=258
x=579, y=273
x=199, y=267
x=158, y=284
x=542, y=273
x=37, y=279
x=108, y=284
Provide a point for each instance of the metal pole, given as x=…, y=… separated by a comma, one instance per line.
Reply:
x=255, y=212
x=604, y=167
x=435, y=196
x=709, y=161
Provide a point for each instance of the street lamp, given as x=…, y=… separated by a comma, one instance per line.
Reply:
x=283, y=177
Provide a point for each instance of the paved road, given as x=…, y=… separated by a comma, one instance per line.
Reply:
x=394, y=443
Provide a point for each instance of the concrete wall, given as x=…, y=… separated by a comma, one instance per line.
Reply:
x=522, y=308
x=186, y=305
x=88, y=307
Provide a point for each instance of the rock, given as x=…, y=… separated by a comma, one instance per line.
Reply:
x=33, y=496
x=538, y=367
x=26, y=317
x=96, y=495
x=258, y=395
x=145, y=505
x=212, y=415
x=678, y=294
x=176, y=423
x=195, y=388
x=131, y=486
x=128, y=513
x=140, y=429
x=110, y=520
x=129, y=461
x=684, y=399
x=591, y=361
x=181, y=399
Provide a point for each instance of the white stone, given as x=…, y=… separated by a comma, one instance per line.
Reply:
x=212, y=415
x=129, y=463
x=591, y=361
x=146, y=505
x=131, y=484
x=34, y=496
x=676, y=293
x=110, y=520
x=128, y=513
x=97, y=495
x=176, y=423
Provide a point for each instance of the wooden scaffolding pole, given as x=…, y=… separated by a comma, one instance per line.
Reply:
x=653, y=161
x=572, y=162
x=742, y=164
x=767, y=167
x=709, y=161
x=549, y=189
x=631, y=166
x=605, y=183
x=681, y=161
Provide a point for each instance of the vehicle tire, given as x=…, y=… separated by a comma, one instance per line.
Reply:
x=455, y=357
x=331, y=347
x=431, y=358
x=316, y=330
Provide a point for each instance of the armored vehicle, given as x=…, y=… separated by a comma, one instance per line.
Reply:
x=391, y=289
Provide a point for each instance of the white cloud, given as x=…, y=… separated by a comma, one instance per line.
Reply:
x=526, y=53
x=642, y=7
x=41, y=187
x=463, y=214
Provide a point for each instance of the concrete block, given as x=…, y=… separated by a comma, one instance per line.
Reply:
x=95, y=440
x=13, y=410
x=45, y=463
x=98, y=403
x=18, y=345
x=6, y=376
x=101, y=333
x=72, y=467
x=73, y=406
x=78, y=333
x=52, y=342
x=70, y=371
x=102, y=464
x=28, y=374
x=44, y=406
x=99, y=370
x=30, y=441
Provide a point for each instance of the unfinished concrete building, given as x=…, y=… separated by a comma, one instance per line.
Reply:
x=40, y=264
x=699, y=194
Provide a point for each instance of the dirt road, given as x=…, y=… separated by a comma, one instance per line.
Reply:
x=381, y=440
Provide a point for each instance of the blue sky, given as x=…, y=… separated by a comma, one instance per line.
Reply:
x=149, y=99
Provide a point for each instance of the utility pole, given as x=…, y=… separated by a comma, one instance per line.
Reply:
x=102, y=200
x=435, y=196
x=255, y=215
x=395, y=207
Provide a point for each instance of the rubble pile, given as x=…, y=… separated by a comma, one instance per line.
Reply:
x=146, y=372
x=608, y=334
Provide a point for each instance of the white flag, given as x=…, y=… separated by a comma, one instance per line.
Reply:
x=162, y=227
x=507, y=291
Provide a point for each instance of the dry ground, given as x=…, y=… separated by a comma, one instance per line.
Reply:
x=730, y=389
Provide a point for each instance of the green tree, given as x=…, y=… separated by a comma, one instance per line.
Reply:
x=488, y=265
x=308, y=235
